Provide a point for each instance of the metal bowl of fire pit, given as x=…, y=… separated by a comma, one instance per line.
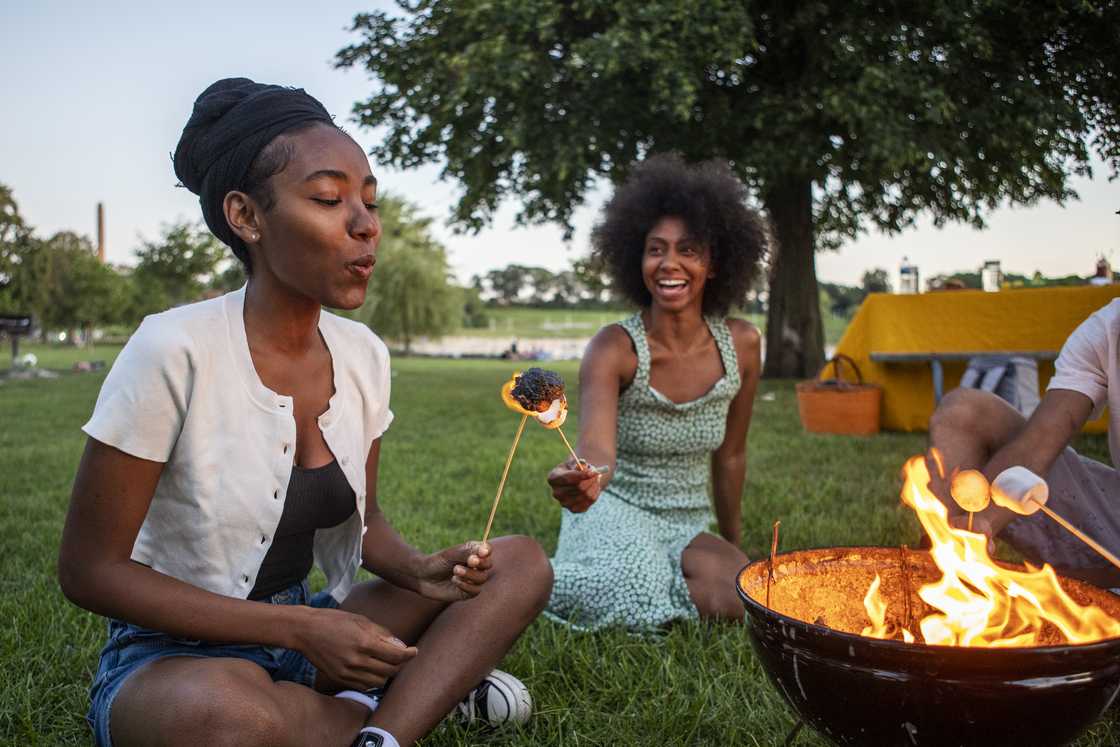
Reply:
x=858, y=690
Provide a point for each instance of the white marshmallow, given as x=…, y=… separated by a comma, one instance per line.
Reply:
x=554, y=411
x=1015, y=485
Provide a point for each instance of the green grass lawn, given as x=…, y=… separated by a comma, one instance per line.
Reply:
x=699, y=685
x=549, y=323
x=59, y=357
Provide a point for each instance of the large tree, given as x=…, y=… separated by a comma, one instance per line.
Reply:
x=81, y=291
x=14, y=244
x=177, y=268
x=410, y=292
x=62, y=284
x=840, y=116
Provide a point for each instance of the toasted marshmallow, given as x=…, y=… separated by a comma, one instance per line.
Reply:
x=554, y=411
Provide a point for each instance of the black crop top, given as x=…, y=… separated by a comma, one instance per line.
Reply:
x=317, y=498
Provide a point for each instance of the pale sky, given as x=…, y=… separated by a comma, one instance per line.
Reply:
x=96, y=95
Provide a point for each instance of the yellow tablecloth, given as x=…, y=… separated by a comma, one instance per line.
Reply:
x=960, y=321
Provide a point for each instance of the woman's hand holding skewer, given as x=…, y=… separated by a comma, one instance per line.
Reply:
x=575, y=488
x=456, y=573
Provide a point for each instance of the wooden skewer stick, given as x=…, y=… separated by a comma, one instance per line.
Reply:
x=970, y=515
x=505, y=474
x=1079, y=534
x=770, y=567
x=579, y=462
x=904, y=564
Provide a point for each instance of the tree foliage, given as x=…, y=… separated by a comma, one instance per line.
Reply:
x=64, y=286
x=586, y=284
x=410, y=292
x=876, y=280
x=14, y=238
x=839, y=116
x=176, y=268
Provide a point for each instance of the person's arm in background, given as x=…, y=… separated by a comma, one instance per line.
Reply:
x=1057, y=419
x=608, y=365
x=729, y=461
x=1079, y=386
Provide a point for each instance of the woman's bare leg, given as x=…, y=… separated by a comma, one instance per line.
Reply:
x=218, y=701
x=458, y=643
x=221, y=701
x=710, y=565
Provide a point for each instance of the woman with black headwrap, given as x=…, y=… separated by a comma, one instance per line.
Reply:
x=235, y=444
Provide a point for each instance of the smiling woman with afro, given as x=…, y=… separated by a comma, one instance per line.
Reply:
x=665, y=404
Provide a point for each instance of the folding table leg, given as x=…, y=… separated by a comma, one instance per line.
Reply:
x=938, y=380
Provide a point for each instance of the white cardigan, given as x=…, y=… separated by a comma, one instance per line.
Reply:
x=184, y=391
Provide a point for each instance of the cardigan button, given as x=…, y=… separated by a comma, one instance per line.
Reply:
x=346, y=460
x=245, y=578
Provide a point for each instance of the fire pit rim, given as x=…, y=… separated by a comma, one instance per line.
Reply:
x=895, y=645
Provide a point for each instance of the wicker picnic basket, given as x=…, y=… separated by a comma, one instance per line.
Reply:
x=835, y=405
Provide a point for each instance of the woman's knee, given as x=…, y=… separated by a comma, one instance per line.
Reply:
x=524, y=558
x=710, y=569
x=235, y=711
x=219, y=703
x=715, y=597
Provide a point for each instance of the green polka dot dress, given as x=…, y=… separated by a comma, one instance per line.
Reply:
x=619, y=563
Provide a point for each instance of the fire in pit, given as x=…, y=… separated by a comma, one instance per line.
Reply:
x=882, y=646
x=979, y=603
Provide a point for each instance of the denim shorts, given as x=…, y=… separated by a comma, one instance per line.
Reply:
x=130, y=647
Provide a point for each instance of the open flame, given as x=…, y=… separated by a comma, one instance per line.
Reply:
x=979, y=603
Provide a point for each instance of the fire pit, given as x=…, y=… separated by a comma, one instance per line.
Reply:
x=858, y=690
x=892, y=646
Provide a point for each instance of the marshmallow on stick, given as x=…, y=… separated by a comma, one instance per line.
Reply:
x=1022, y=491
x=970, y=490
x=539, y=394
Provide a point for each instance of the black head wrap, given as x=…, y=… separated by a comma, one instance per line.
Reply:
x=232, y=122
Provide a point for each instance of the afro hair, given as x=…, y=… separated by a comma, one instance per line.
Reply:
x=710, y=200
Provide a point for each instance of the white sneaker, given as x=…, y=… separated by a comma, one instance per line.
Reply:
x=499, y=699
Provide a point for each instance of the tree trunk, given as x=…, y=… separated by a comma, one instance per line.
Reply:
x=794, y=334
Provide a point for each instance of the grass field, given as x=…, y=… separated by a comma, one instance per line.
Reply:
x=698, y=685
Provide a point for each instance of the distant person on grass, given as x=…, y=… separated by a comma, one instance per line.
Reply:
x=235, y=443
x=974, y=429
x=665, y=402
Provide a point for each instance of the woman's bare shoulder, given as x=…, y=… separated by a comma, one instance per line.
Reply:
x=743, y=331
x=611, y=350
x=747, y=339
